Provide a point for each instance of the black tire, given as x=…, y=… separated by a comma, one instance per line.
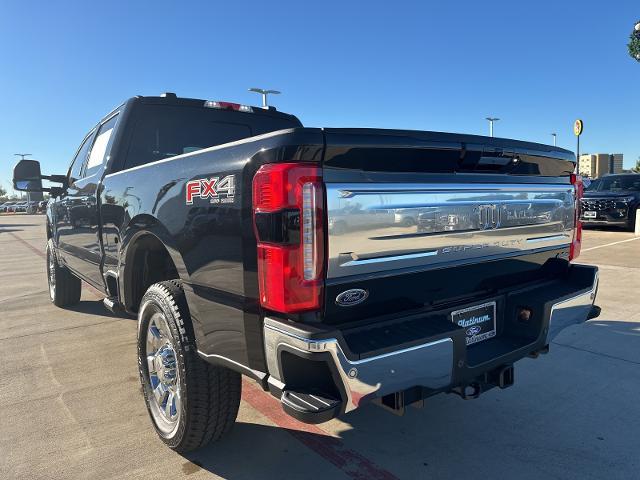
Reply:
x=64, y=287
x=209, y=396
x=631, y=225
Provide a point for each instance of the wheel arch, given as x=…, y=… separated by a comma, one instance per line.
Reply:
x=147, y=256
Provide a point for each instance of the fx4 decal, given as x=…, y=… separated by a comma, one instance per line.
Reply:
x=216, y=189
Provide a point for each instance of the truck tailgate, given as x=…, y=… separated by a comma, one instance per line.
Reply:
x=418, y=220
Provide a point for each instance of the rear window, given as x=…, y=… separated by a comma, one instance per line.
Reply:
x=162, y=131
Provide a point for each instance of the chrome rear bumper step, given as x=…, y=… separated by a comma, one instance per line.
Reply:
x=309, y=407
x=368, y=378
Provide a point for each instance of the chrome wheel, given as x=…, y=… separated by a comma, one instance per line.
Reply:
x=51, y=273
x=190, y=401
x=164, y=378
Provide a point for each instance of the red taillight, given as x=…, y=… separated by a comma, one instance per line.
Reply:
x=576, y=244
x=291, y=256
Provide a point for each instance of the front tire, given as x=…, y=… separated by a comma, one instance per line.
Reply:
x=631, y=225
x=64, y=287
x=191, y=402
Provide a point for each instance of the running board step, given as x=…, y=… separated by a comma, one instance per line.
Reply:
x=112, y=305
x=310, y=407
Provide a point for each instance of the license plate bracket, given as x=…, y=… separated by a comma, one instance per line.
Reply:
x=478, y=322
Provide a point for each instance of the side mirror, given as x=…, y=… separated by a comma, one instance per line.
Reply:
x=27, y=176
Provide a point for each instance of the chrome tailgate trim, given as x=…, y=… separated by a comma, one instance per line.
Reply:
x=377, y=227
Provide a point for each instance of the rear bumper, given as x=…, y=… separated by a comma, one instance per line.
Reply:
x=572, y=309
x=436, y=364
x=369, y=378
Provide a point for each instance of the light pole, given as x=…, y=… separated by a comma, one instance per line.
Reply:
x=491, y=120
x=264, y=94
x=555, y=143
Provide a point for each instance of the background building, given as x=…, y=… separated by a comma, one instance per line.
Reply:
x=595, y=165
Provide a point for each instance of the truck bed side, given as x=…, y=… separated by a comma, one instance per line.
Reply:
x=210, y=241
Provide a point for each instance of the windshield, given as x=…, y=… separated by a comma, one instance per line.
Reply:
x=590, y=185
x=619, y=183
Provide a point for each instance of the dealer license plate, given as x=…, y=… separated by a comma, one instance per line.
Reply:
x=479, y=322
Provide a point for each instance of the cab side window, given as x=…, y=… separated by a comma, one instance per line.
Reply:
x=101, y=147
x=75, y=172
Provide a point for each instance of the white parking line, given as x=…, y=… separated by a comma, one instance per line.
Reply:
x=610, y=244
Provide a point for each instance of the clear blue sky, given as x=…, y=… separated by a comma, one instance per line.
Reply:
x=419, y=65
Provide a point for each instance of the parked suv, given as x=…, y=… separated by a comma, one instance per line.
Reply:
x=612, y=200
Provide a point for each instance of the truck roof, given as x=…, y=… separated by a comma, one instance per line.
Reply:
x=169, y=98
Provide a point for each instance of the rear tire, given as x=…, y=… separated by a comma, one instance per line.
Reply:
x=64, y=287
x=191, y=402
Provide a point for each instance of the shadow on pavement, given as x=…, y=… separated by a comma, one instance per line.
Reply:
x=557, y=405
x=607, y=228
x=95, y=307
x=267, y=452
x=609, y=338
x=619, y=327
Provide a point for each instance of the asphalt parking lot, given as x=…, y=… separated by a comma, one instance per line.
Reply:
x=72, y=405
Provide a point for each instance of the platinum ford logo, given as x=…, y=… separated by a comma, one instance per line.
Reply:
x=474, y=320
x=351, y=297
x=473, y=331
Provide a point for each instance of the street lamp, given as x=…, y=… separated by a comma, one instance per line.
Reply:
x=554, y=135
x=264, y=94
x=491, y=120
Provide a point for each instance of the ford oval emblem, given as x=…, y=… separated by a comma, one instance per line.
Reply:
x=351, y=297
x=473, y=331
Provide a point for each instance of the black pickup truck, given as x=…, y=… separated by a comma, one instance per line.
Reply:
x=332, y=266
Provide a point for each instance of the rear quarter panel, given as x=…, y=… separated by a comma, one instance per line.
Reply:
x=210, y=240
